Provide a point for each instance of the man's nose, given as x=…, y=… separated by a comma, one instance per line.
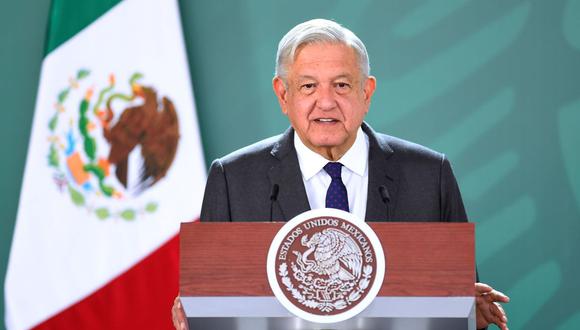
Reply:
x=326, y=98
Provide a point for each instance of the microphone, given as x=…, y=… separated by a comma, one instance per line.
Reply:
x=273, y=198
x=274, y=194
x=385, y=197
x=384, y=194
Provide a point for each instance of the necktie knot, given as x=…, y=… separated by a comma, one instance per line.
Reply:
x=334, y=170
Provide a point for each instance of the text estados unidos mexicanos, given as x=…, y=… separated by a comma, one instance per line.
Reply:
x=330, y=222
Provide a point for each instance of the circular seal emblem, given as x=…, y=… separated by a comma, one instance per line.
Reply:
x=325, y=265
x=109, y=142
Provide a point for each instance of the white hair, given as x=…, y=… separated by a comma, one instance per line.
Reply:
x=318, y=31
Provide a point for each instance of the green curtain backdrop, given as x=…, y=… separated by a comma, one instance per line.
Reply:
x=493, y=84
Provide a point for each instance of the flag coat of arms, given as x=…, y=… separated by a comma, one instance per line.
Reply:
x=114, y=165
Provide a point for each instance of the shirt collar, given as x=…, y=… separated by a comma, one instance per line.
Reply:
x=355, y=159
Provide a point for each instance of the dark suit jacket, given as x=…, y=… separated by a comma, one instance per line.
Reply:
x=418, y=182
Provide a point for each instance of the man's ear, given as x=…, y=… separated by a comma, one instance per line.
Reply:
x=369, y=88
x=280, y=91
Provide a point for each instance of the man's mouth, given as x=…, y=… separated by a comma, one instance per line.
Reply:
x=326, y=120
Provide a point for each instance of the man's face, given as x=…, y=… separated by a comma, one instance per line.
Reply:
x=326, y=97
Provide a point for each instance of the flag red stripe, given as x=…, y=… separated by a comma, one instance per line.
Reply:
x=140, y=298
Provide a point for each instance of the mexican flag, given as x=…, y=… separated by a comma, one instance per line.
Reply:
x=114, y=165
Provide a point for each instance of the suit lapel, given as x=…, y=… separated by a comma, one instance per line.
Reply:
x=286, y=174
x=383, y=175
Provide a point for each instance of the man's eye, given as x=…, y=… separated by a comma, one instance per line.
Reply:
x=308, y=88
x=342, y=85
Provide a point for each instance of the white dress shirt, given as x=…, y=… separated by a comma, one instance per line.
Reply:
x=355, y=174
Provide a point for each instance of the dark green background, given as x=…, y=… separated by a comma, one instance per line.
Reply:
x=493, y=84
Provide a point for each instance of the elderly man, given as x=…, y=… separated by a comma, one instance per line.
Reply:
x=323, y=85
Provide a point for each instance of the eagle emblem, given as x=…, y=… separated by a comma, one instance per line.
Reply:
x=325, y=268
x=109, y=142
x=336, y=255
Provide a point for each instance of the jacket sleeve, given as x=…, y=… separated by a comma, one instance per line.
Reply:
x=452, y=206
x=216, y=206
x=452, y=209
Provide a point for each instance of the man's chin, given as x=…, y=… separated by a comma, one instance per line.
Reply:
x=327, y=140
x=330, y=144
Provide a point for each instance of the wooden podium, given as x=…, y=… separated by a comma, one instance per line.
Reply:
x=429, y=278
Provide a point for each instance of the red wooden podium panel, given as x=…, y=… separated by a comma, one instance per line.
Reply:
x=422, y=259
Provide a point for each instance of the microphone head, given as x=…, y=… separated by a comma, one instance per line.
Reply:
x=384, y=194
x=274, y=194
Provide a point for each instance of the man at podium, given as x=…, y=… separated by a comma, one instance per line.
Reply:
x=330, y=157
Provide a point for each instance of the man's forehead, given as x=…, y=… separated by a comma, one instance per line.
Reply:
x=347, y=76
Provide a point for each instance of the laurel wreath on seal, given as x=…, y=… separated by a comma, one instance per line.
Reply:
x=325, y=307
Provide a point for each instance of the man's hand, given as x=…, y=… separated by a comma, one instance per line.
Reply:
x=178, y=315
x=488, y=309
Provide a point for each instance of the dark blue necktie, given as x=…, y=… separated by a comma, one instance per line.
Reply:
x=336, y=196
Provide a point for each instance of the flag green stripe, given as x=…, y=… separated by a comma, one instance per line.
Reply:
x=68, y=17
